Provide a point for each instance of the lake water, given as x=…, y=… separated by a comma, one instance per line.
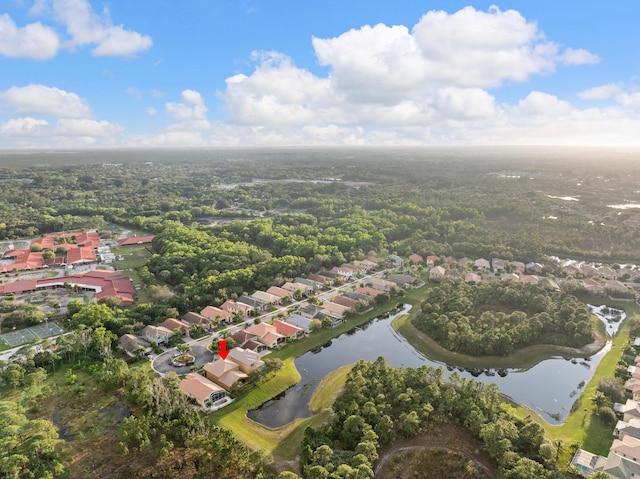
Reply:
x=550, y=387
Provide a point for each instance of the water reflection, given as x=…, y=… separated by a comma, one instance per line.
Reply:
x=549, y=387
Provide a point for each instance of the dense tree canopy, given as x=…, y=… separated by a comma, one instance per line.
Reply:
x=496, y=317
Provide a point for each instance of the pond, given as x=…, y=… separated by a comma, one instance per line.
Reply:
x=550, y=387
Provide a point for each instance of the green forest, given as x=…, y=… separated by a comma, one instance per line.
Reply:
x=494, y=318
x=229, y=222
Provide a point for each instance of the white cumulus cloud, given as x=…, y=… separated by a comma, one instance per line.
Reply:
x=601, y=92
x=572, y=56
x=34, y=40
x=36, y=99
x=191, y=112
x=85, y=27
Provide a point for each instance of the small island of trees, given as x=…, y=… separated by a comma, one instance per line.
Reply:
x=497, y=317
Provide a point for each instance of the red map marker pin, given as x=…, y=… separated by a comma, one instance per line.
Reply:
x=223, y=348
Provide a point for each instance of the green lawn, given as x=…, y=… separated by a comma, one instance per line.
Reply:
x=283, y=443
x=581, y=426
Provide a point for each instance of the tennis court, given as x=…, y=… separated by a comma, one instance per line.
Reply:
x=22, y=336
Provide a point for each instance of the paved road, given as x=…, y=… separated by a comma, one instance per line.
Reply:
x=162, y=363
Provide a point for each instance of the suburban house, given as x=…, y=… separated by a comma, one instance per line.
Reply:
x=266, y=334
x=301, y=322
x=436, y=273
x=535, y=268
x=249, y=341
x=248, y=360
x=236, y=308
x=365, y=265
x=319, y=278
x=482, y=263
x=334, y=309
x=573, y=270
x=629, y=410
x=608, y=273
x=360, y=296
x=345, y=301
x=510, y=277
x=204, y=391
x=592, y=286
x=156, y=334
x=472, y=278
x=195, y=318
x=432, y=259
x=589, y=271
x=529, y=279
x=345, y=271
x=266, y=298
x=216, y=314
x=371, y=292
x=518, y=267
x=324, y=276
x=402, y=280
x=254, y=303
x=498, y=264
x=288, y=330
x=293, y=287
x=280, y=292
x=311, y=311
x=236, y=367
x=623, y=460
x=224, y=372
x=132, y=344
x=173, y=324
x=416, y=259
x=382, y=284
x=314, y=285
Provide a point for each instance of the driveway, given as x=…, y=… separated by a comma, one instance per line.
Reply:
x=162, y=363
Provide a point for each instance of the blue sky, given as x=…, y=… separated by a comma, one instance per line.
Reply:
x=154, y=73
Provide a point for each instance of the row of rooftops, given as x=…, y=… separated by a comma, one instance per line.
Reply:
x=623, y=460
x=80, y=248
x=103, y=283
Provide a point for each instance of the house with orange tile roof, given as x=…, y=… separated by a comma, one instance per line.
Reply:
x=369, y=291
x=136, y=240
x=432, y=259
x=288, y=330
x=345, y=301
x=266, y=334
x=204, y=391
x=416, y=259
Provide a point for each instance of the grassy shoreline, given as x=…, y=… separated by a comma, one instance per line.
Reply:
x=282, y=443
x=581, y=425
